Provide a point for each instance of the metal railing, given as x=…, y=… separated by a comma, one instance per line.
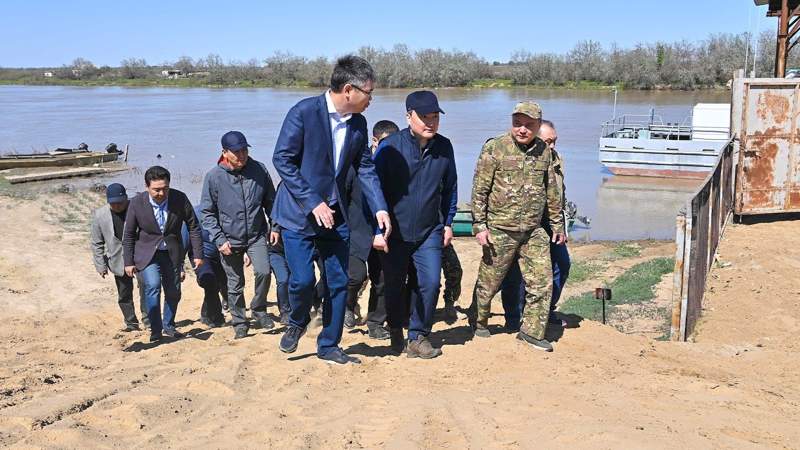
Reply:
x=628, y=126
x=699, y=228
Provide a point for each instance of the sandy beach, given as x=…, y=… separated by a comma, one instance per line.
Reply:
x=70, y=379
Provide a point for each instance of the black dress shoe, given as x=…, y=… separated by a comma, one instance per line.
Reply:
x=290, y=339
x=338, y=356
x=155, y=337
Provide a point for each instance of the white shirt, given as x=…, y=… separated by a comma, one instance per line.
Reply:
x=338, y=129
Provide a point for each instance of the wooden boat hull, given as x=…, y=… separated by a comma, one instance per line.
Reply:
x=46, y=160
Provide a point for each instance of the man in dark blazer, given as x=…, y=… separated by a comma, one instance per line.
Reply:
x=321, y=138
x=152, y=246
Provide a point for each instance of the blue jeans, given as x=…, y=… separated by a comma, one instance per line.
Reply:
x=280, y=268
x=161, y=272
x=427, y=259
x=333, y=248
x=512, y=291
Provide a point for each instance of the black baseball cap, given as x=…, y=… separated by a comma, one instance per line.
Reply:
x=115, y=193
x=423, y=102
x=234, y=140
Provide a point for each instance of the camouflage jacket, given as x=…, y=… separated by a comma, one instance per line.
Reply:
x=513, y=186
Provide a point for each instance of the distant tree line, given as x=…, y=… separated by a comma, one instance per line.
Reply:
x=675, y=65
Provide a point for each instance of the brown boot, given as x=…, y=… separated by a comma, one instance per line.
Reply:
x=422, y=348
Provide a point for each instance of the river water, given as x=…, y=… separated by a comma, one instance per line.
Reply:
x=183, y=127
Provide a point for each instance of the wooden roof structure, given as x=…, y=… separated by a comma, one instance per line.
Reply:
x=788, y=14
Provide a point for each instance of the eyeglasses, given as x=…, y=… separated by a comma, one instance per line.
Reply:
x=367, y=93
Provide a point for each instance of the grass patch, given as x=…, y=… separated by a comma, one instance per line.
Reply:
x=625, y=250
x=633, y=286
x=580, y=271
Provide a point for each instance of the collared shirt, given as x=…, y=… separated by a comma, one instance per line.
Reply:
x=160, y=212
x=338, y=129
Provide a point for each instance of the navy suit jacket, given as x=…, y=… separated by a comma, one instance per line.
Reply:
x=303, y=158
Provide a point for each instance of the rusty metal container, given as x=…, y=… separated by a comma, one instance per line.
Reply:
x=765, y=121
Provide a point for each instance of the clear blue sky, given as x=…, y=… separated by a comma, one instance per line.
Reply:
x=52, y=33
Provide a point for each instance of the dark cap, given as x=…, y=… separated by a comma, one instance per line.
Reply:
x=423, y=102
x=115, y=193
x=234, y=140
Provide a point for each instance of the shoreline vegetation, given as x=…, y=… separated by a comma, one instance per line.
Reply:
x=682, y=65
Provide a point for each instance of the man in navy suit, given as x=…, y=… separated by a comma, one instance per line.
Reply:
x=321, y=138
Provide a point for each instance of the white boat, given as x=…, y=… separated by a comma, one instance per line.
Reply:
x=647, y=146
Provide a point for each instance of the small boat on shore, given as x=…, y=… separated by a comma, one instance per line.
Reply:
x=647, y=146
x=60, y=157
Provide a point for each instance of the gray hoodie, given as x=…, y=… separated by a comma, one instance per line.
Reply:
x=235, y=203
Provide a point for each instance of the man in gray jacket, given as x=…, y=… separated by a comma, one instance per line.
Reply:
x=237, y=196
x=107, y=225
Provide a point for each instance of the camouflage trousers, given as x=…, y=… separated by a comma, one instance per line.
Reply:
x=451, y=267
x=533, y=250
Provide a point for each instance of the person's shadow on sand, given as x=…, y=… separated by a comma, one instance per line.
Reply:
x=194, y=333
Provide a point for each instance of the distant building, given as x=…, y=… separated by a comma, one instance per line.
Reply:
x=172, y=73
x=48, y=74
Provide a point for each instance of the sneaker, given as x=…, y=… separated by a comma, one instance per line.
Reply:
x=155, y=337
x=539, y=344
x=450, y=313
x=284, y=318
x=482, y=331
x=240, y=333
x=422, y=348
x=378, y=332
x=338, y=356
x=130, y=328
x=290, y=339
x=349, y=319
x=398, y=340
x=263, y=321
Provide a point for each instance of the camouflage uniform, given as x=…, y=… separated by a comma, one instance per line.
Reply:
x=451, y=267
x=512, y=187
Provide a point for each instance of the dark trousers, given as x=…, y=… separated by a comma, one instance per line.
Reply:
x=280, y=268
x=332, y=248
x=211, y=277
x=358, y=272
x=512, y=291
x=125, y=299
x=427, y=258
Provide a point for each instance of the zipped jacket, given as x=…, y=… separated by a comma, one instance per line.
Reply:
x=235, y=203
x=419, y=184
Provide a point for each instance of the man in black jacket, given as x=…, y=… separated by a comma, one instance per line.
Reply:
x=237, y=196
x=152, y=246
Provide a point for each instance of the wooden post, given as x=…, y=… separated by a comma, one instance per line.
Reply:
x=781, y=49
x=126, y=152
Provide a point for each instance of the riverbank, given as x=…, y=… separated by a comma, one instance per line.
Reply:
x=70, y=379
x=483, y=83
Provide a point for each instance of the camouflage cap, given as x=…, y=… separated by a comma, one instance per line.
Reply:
x=530, y=109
